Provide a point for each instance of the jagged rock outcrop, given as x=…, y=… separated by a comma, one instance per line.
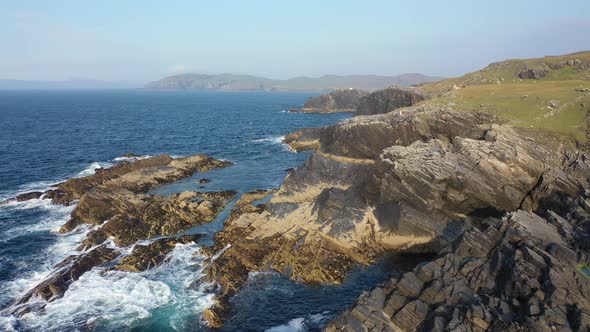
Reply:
x=97, y=193
x=303, y=139
x=365, y=137
x=114, y=200
x=345, y=100
x=520, y=273
x=389, y=99
x=132, y=217
x=403, y=181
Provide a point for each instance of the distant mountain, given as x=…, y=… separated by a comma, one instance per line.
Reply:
x=8, y=84
x=247, y=82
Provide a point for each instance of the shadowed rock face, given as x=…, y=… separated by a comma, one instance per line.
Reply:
x=389, y=99
x=365, y=137
x=346, y=100
x=520, y=273
x=408, y=182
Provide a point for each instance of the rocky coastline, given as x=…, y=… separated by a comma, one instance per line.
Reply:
x=503, y=209
x=115, y=204
x=500, y=211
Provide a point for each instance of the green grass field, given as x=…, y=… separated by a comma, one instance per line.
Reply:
x=551, y=103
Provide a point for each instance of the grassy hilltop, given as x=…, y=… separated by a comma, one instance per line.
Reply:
x=550, y=93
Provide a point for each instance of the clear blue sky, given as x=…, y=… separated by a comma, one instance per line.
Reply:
x=145, y=40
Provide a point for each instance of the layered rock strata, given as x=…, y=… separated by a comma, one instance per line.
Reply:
x=405, y=181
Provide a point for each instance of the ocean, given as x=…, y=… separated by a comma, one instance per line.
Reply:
x=49, y=136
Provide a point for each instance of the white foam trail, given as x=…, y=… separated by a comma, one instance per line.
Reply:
x=270, y=139
x=28, y=187
x=131, y=159
x=119, y=298
x=56, y=216
x=91, y=169
x=275, y=140
x=64, y=246
x=301, y=324
x=49, y=184
x=294, y=325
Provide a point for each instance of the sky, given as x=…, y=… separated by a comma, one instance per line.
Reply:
x=145, y=40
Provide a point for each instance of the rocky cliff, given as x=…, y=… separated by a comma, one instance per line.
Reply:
x=410, y=182
x=387, y=100
x=501, y=206
x=346, y=100
x=496, y=193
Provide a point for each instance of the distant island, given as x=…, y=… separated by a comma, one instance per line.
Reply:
x=231, y=82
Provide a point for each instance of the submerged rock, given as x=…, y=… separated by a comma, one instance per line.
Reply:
x=29, y=196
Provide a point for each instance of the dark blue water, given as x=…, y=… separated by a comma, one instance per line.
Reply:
x=49, y=136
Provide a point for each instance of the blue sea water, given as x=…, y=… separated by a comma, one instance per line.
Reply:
x=49, y=136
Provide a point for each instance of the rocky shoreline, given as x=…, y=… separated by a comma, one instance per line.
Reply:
x=502, y=213
x=114, y=202
x=413, y=182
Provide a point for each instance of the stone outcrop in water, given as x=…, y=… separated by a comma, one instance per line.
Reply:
x=132, y=217
x=68, y=271
x=345, y=100
x=115, y=202
x=409, y=182
x=145, y=257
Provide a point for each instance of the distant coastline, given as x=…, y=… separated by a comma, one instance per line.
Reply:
x=231, y=82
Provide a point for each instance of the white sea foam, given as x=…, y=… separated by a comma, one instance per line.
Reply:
x=270, y=139
x=91, y=169
x=28, y=187
x=48, y=184
x=120, y=298
x=54, y=217
x=275, y=140
x=301, y=324
x=294, y=325
x=131, y=159
x=64, y=246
